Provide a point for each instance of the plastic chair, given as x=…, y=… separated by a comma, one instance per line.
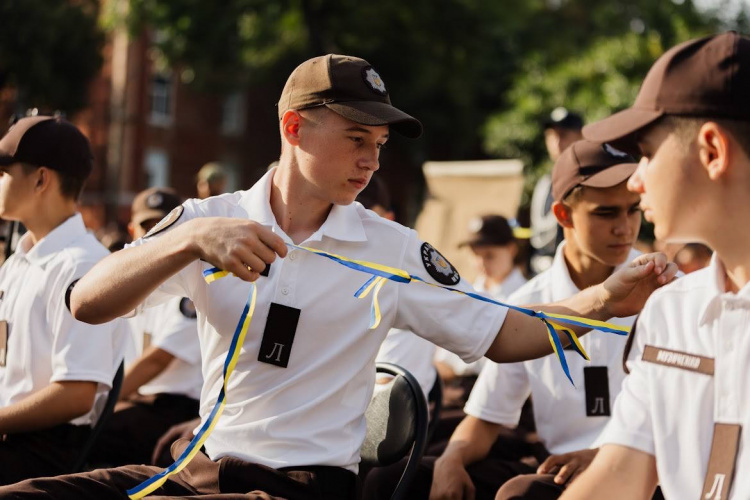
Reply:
x=396, y=425
x=109, y=406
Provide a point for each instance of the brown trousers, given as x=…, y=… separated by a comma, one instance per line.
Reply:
x=531, y=487
x=41, y=453
x=226, y=478
x=137, y=424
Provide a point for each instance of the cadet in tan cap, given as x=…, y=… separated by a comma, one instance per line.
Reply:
x=52, y=366
x=294, y=417
x=683, y=415
x=163, y=382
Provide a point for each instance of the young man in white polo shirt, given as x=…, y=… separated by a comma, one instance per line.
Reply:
x=600, y=220
x=678, y=420
x=162, y=384
x=294, y=419
x=52, y=366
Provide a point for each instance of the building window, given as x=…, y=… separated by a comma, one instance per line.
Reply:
x=233, y=112
x=157, y=168
x=161, y=98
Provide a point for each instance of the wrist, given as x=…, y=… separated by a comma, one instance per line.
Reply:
x=186, y=237
x=599, y=299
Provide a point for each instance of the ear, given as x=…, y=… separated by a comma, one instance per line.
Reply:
x=562, y=214
x=290, y=125
x=43, y=179
x=713, y=149
x=131, y=230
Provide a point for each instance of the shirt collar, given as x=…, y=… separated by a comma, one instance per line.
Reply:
x=343, y=222
x=563, y=286
x=56, y=240
x=717, y=286
x=512, y=282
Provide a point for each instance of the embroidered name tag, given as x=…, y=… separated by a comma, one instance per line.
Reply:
x=721, y=462
x=677, y=359
x=278, y=336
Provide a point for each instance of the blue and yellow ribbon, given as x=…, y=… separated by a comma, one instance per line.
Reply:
x=380, y=274
x=153, y=483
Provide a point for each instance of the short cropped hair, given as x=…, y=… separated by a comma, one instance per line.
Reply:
x=70, y=186
x=687, y=127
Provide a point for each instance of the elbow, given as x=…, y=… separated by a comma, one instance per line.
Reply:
x=86, y=311
x=81, y=398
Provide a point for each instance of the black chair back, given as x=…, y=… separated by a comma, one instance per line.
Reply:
x=396, y=425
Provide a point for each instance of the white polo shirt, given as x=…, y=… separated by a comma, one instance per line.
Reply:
x=559, y=407
x=411, y=352
x=45, y=343
x=312, y=412
x=668, y=407
x=173, y=327
x=501, y=292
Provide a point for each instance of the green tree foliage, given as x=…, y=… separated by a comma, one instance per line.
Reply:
x=50, y=50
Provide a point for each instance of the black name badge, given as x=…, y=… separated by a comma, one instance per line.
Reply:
x=596, y=381
x=278, y=336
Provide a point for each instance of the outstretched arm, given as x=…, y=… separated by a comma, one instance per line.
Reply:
x=623, y=294
x=122, y=280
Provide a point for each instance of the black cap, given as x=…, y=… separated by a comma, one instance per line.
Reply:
x=154, y=203
x=563, y=118
x=48, y=141
x=489, y=230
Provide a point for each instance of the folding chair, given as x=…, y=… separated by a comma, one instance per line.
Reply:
x=107, y=410
x=396, y=425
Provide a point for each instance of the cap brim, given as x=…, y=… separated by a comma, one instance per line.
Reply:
x=612, y=176
x=372, y=113
x=619, y=129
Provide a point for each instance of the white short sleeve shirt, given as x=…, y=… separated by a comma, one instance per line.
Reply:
x=45, y=343
x=312, y=412
x=173, y=327
x=501, y=292
x=668, y=406
x=559, y=407
x=411, y=352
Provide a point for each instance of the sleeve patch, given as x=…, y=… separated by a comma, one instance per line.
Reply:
x=187, y=308
x=438, y=266
x=167, y=221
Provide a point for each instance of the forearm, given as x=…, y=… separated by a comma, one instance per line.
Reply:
x=56, y=404
x=470, y=442
x=118, y=283
x=523, y=337
x=153, y=362
x=617, y=472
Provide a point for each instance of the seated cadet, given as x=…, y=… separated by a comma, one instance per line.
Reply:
x=600, y=221
x=52, y=366
x=162, y=386
x=680, y=416
x=293, y=421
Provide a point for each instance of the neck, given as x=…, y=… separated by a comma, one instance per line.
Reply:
x=47, y=217
x=584, y=270
x=731, y=249
x=298, y=213
x=493, y=281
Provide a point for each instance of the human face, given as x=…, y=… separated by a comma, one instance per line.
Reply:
x=16, y=192
x=494, y=261
x=336, y=156
x=605, y=223
x=667, y=180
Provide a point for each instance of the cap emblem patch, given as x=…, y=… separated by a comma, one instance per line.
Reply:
x=154, y=200
x=614, y=152
x=438, y=266
x=373, y=79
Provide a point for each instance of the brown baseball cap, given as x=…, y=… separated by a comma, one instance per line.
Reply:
x=593, y=164
x=349, y=86
x=48, y=141
x=489, y=230
x=154, y=203
x=704, y=77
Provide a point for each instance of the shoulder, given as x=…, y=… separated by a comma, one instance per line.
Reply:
x=691, y=287
x=224, y=205
x=80, y=255
x=376, y=225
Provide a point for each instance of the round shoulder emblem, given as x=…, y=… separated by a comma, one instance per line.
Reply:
x=167, y=221
x=438, y=266
x=187, y=308
x=374, y=81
